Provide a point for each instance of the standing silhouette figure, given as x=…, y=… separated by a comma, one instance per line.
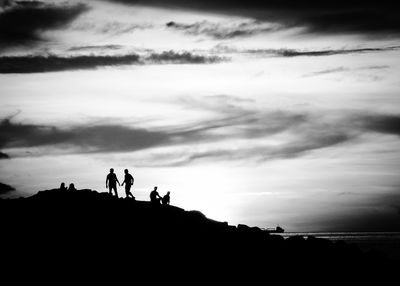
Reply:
x=111, y=182
x=166, y=199
x=128, y=181
x=155, y=198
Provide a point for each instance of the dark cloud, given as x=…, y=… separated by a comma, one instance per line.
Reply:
x=297, y=53
x=182, y=58
x=52, y=63
x=221, y=31
x=4, y=156
x=22, y=22
x=5, y=189
x=329, y=16
x=99, y=138
x=389, y=124
x=302, y=53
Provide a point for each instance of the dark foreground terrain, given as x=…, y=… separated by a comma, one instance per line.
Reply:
x=82, y=232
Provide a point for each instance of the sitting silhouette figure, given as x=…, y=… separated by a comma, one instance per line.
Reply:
x=166, y=199
x=63, y=187
x=128, y=181
x=111, y=182
x=71, y=187
x=155, y=198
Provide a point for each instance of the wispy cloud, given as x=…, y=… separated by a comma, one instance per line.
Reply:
x=367, y=17
x=302, y=53
x=23, y=22
x=112, y=28
x=345, y=69
x=221, y=31
x=53, y=63
x=95, y=48
x=235, y=132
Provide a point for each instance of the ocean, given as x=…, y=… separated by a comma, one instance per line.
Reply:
x=387, y=243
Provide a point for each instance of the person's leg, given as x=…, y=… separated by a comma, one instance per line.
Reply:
x=115, y=191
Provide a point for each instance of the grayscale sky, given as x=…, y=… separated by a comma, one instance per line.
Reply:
x=265, y=113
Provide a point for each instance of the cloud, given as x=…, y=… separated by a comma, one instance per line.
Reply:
x=4, y=156
x=388, y=124
x=345, y=69
x=23, y=22
x=301, y=53
x=182, y=58
x=95, y=48
x=112, y=28
x=368, y=17
x=53, y=63
x=4, y=189
x=238, y=130
x=221, y=31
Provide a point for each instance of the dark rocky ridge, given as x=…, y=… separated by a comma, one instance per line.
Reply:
x=95, y=230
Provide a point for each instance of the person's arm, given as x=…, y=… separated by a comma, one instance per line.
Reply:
x=122, y=182
x=133, y=180
x=107, y=181
x=117, y=181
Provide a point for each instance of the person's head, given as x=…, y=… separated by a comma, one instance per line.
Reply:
x=168, y=193
x=62, y=186
x=72, y=186
x=155, y=188
x=126, y=171
x=111, y=170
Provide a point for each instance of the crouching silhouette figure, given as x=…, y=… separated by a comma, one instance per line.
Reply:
x=166, y=199
x=71, y=187
x=155, y=198
x=63, y=187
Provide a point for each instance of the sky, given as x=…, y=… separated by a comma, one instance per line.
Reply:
x=265, y=112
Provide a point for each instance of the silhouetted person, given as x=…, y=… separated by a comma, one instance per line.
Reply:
x=63, y=187
x=111, y=182
x=71, y=187
x=166, y=199
x=155, y=198
x=128, y=181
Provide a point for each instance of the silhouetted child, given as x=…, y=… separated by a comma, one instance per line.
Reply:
x=128, y=181
x=111, y=182
x=62, y=187
x=71, y=187
x=166, y=199
x=155, y=198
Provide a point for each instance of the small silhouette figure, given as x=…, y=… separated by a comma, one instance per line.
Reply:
x=71, y=187
x=128, y=181
x=63, y=187
x=166, y=199
x=111, y=182
x=155, y=198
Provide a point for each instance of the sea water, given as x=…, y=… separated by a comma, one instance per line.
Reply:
x=387, y=243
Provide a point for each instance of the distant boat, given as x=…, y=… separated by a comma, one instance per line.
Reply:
x=277, y=229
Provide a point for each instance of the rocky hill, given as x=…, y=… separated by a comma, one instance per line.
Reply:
x=85, y=229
